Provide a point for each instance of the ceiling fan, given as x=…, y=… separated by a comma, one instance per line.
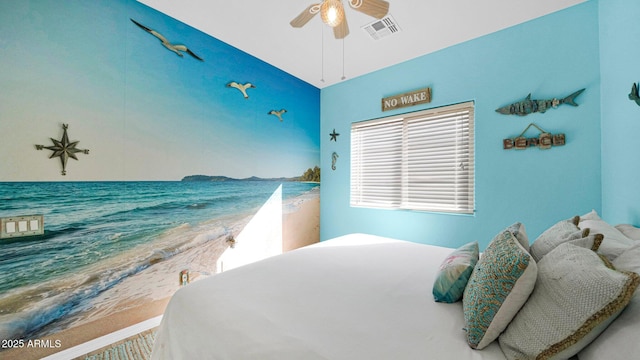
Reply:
x=332, y=13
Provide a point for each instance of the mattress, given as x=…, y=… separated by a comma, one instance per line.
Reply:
x=353, y=297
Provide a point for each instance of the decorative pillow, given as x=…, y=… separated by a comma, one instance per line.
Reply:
x=564, y=230
x=592, y=215
x=580, y=238
x=454, y=273
x=620, y=340
x=520, y=233
x=629, y=260
x=629, y=231
x=577, y=295
x=561, y=228
x=591, y=242
x=614, y=241
x=499, y=285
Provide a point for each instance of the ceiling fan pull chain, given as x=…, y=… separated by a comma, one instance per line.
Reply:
x=343, y=77
x=322, y=59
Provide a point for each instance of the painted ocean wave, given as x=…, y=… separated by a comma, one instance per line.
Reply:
x=97, y=234
x=28, y=310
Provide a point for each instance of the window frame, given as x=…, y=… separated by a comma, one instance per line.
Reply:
x=394, y=150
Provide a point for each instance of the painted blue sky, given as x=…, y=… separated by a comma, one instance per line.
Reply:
x=142, y=111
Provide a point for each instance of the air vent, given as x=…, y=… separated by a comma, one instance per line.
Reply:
x=381, y=28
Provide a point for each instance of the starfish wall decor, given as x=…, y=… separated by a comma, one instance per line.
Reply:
x=334, y=136
x=63, y=148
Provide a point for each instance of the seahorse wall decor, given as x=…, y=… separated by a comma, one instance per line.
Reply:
x=334, y=158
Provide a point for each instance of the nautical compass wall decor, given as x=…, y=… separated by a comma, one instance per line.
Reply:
x=63, y=148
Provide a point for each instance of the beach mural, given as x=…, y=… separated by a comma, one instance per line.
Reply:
x=121, y=127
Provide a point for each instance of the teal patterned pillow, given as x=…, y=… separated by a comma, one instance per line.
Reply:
x=499, y=286
x=454, y=273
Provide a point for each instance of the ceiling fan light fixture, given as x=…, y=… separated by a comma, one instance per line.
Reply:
x=332, y=12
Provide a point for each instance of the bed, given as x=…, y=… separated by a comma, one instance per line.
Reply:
x=357, y=296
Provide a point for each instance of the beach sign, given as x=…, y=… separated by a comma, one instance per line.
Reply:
x=421, y=96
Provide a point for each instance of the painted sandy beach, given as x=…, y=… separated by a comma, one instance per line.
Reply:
x=125, y=296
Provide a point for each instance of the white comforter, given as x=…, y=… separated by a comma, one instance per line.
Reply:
x=353, y=297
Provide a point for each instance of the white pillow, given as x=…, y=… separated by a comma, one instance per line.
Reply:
x=576, y=296
x=592, y=215
x=614, y=242
x=558, y=233
x=629, y=260
x=518, y=230
x=629, y=231
x=580, y=238
x=545, y=245
x=620, y=340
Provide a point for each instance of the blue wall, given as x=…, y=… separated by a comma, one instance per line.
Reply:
x=550, y=57
x=620, y=68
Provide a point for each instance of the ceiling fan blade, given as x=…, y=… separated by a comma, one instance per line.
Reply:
x=305, y=16
x=341, y=30
x=376, y=8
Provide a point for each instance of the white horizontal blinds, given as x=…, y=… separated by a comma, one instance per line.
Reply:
x=376, y=154
x=439, y=160
x=422, y=162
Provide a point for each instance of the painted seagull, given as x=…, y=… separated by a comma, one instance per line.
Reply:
x=277, y=113
x=242, y=88
x=176, y=48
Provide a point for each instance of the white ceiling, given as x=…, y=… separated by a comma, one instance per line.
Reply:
x=261, y=28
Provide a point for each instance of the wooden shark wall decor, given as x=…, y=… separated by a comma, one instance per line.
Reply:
x=528, y=106
x=633, y=95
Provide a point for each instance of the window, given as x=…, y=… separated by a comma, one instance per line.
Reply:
x=418, y=161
